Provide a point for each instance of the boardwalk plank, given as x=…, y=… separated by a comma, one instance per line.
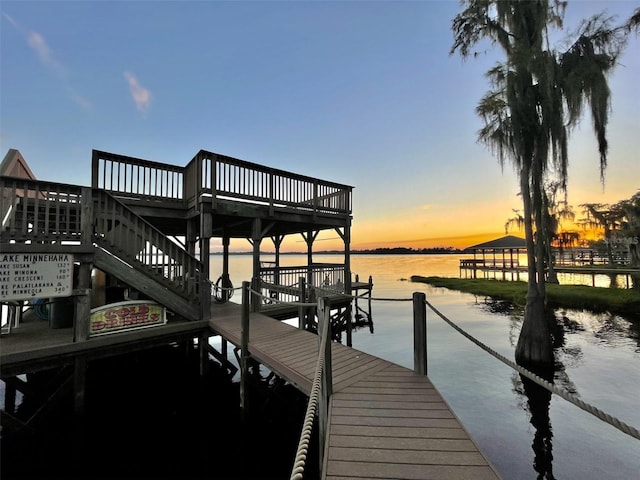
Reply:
x=374, y=421
x=404, y=432
x=409, y=472
x=391, y=412
x=397, y=405
x=400, y=443
x=415, y=457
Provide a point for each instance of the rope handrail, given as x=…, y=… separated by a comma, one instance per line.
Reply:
x=300, y=459
x=615, y=422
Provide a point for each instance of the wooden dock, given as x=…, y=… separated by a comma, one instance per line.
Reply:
x=118, y=237
x=385, y=421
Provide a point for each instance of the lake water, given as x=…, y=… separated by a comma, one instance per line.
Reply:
x=598, y=359
x=148, y=415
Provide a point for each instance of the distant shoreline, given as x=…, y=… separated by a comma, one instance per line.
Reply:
x=375, y=251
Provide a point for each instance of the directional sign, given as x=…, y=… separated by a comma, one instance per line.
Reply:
x=24, y=276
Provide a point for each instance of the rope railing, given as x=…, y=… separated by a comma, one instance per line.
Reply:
x=615, y=422
x=300, y=459
x=321, y=385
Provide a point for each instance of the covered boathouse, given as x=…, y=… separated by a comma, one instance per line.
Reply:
x=140, y=236
x=499, y=256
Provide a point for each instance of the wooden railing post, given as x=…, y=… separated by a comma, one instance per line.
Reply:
x=214, y=181
x=244, y=349
x=82, y=308
x=419, y=333
x=326, y=384
x=83, y=300
x=303, y=298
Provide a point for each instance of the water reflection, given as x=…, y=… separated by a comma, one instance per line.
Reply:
x=538, y=401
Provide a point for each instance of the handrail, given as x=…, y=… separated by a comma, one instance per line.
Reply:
x=321, y=391
x=228, y=177
x=120, y=229
x=40, y=211
x=133, y=177
x=51, y=213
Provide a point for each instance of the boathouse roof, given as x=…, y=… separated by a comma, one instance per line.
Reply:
x=15, y=165
x=507, y=242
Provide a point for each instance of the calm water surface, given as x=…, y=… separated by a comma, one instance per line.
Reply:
x=598, y=359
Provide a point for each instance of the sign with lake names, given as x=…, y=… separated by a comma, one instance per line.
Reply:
x=24, y=276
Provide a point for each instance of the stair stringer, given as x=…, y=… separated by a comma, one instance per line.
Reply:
x=145, y=284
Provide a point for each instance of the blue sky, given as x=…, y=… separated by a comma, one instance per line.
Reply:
x=360, y=92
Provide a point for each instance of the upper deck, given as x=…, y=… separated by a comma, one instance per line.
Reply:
x=228, y=188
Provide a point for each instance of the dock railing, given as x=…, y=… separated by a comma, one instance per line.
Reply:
x=52, y=217
x=217, y=177
x=283, y=283
x=40, y=212
x=136, y=178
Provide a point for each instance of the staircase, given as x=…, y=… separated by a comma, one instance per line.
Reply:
x=45, y=216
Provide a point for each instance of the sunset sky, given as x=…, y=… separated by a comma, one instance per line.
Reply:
x=362, y=93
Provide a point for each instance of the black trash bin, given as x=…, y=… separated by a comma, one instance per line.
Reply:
x=61, y=312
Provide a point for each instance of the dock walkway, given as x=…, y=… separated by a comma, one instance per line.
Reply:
x=385, y=421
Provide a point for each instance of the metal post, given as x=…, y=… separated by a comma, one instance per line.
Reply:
x=244, y=349
x=419, y=333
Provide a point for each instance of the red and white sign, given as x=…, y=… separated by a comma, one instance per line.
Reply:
x=126, y=316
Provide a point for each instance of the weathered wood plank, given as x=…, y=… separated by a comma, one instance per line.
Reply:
x=346, y=395
x=401, y=443
x=395, y=422
x=409, y=472
x=415, y=457
x=397, y=405
x=391, y=413
x=404, y=432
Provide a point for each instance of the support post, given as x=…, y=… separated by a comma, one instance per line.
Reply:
x=226, y=281
x=79, y=384
x=83, y=302
x=244, y=350
x=203, y=350
x=303, y=298
x=419, y=333
x=347, y=279
x=256, y=239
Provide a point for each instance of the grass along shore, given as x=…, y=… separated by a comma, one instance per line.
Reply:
x=622, y=301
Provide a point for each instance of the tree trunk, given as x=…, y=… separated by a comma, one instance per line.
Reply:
x=535, y=344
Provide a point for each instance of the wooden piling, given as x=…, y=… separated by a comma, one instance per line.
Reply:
x=419, y=333
x=244, y=349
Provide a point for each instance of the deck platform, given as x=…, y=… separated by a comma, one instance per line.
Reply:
x=385, y=421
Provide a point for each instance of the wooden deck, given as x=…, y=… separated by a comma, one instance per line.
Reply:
x=34, y=346
x=385, y=421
